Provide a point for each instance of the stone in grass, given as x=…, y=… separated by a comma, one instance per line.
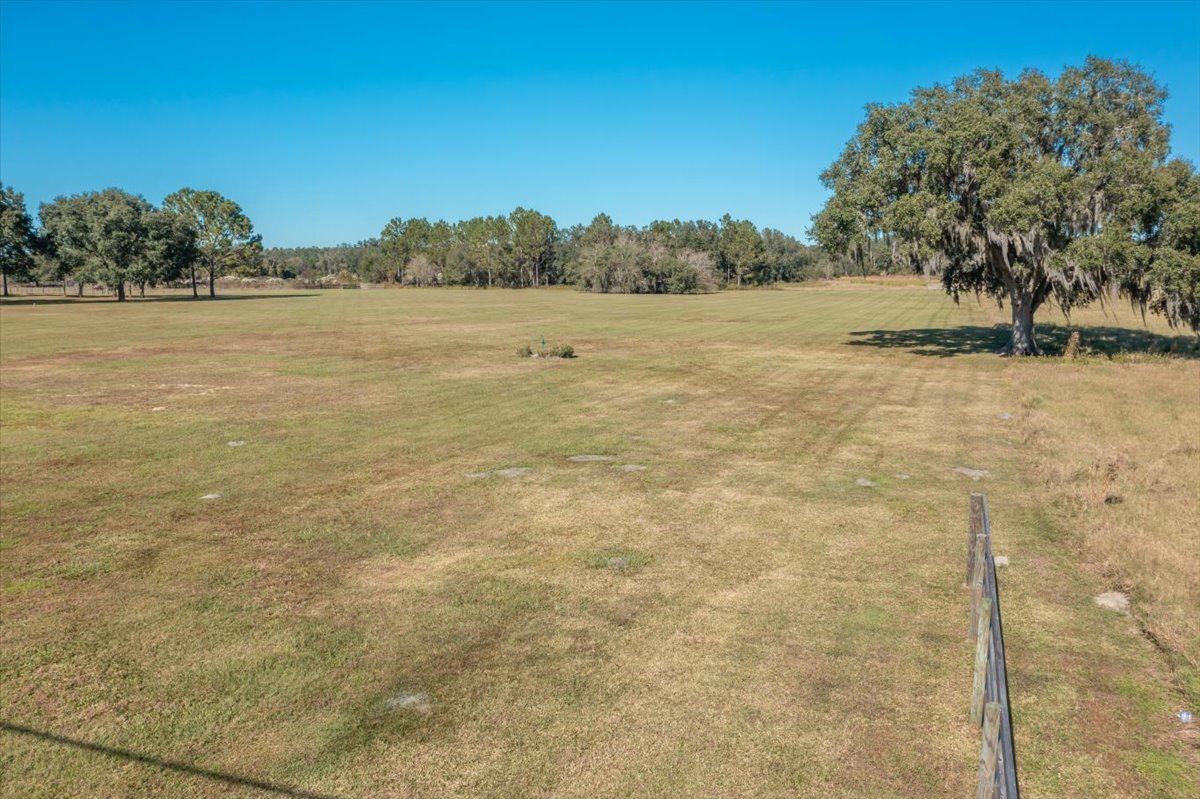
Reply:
x=158, y=408
x=211, y=496
x=902, y=476
x=864, y=483
x=1113, y=600
x=974, y=474
x=417, y=703
x=633, y=467
x=235, y=443
x=1001, y=561
x=590, y=458
x=1004, y=416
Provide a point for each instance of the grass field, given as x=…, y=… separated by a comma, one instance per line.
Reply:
x=355, y=616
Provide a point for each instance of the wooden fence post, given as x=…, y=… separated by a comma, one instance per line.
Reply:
x=988, y=751
x=977, y=585
x=974, y=530
x=981, y=660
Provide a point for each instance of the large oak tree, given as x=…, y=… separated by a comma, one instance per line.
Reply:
x=1027, y=190
x=113, y=237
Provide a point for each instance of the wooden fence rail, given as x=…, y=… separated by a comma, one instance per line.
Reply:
x=989, y=708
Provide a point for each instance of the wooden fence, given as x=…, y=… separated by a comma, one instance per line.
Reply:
x=990, y=708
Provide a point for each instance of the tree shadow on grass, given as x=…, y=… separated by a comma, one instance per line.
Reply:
x=169, y=765
x=946, y=342
x=52, y=299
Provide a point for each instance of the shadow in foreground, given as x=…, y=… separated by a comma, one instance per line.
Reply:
x=183, y=768
x=58, y=299
x=950, y=341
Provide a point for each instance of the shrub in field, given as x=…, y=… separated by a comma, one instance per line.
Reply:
x=544, y=351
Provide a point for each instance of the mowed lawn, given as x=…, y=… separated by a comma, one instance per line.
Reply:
x=358, y=613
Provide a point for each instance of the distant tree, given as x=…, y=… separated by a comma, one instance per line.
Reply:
x=441, y=240
x=1026, y=190
x=679, y=271
x=486, y=240
x=741, y=248
x=785, y=258
x=102, y=235
x=600, y=231
x=402, y=239
x=700, y=235
x=532, y=245
x=18, y=240
x=618, y=268
x=421, y=270
x=373, y=266
x=224, y=234
x=458, y=268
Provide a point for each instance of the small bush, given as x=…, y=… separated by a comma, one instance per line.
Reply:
x=544, y=351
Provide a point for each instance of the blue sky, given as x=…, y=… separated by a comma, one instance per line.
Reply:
x=324, y=121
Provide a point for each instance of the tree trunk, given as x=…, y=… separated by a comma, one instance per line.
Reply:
x=79, y=286
x=142, y=290
x=212, y=282
x=6, y=284
x=195, y=292
x=1022, y=341
x=121, y=291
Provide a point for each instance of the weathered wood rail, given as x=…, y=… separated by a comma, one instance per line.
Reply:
x=990, y=707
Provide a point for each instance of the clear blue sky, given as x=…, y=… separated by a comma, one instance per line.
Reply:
x=324, y=121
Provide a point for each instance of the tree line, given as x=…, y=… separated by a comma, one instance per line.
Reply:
x=528, y=248
x=118, y=239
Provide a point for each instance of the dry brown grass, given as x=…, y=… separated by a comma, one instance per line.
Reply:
x=1118, y=440
x=785, y=632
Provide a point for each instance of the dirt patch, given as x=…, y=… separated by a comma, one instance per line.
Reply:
x=590, y=458
x=1113, y=600
x=974, y=474
x=633, y=467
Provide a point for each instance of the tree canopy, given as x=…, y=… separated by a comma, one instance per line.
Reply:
x=18, y=240
x=224, y=234
x=1026, y=190
x=113, y=237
